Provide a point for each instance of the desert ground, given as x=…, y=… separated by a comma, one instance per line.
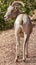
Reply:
x=8, y=48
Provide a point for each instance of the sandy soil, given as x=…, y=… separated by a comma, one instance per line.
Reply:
x=7, y=49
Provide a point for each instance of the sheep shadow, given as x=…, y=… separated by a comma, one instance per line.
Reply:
x=31, y=59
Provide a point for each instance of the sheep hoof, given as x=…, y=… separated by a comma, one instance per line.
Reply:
x=24, y=60
x=16, y=60
x=18, y=56
x=26, y=56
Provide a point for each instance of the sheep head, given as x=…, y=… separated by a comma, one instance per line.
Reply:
x=13, y=10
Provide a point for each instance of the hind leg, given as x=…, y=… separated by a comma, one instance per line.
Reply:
x=26, y=49
x=24, y=45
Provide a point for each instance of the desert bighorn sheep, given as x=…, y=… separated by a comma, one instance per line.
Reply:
x=22, y=22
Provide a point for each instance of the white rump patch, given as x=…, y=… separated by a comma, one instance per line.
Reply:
x=25, y=19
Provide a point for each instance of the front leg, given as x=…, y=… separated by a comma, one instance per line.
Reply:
x=16, y=58
x=24, y=44
x=17, y=45
x=26, y=49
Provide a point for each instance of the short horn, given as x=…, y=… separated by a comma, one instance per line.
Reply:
x=18, y=2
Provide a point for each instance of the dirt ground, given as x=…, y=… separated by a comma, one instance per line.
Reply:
x=8, y=45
